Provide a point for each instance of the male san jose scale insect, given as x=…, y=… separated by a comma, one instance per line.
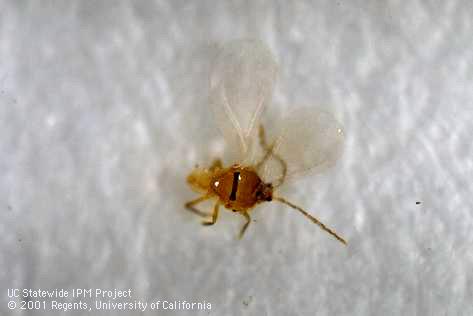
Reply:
x=241, y=85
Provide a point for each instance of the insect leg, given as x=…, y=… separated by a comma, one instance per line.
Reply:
x=268, y=149
x=269, y=152
x=214, y=216
x=190, y=205
x=262, y=137
x=281, y=179
x=312, y=218
x=245, y=226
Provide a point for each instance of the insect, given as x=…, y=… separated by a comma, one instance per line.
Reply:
x=241, y=84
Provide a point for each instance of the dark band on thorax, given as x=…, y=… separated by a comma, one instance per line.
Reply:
x=236, y=178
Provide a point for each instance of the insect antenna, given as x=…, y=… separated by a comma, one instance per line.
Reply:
x=312, y=218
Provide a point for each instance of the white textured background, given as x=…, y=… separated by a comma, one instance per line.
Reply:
x=102, y=115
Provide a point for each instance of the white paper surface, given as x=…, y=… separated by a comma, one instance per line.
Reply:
x=103, y=114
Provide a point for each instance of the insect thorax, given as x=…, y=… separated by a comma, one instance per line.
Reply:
x=240, y=188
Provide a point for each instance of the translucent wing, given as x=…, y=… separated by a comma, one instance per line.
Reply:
x=241, y=84
x=309, y=140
